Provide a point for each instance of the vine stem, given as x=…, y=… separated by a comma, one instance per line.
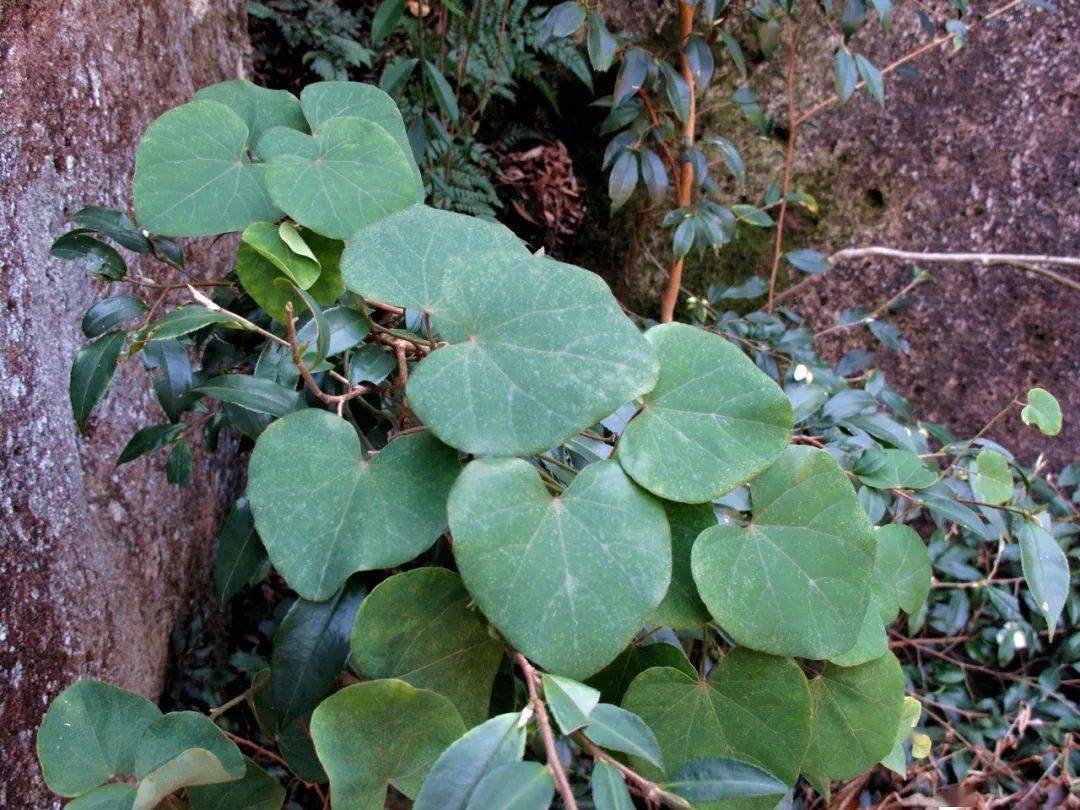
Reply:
x=648, y=790
x=305, y=373
x=685, y=179
x=532, y=683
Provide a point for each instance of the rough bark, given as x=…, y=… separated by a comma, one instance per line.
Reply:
x=96, y=563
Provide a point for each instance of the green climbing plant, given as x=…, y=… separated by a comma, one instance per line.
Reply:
x=507, y=512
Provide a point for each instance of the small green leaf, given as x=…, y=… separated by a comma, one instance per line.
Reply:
x=183, y=749
x=323, y=454
x=91, y=372
x=993, y=481
x=632, y=75
x=753, y=215
x=617, y=729
x=444, y=93
x=1046, y=568
x=417, y=626
x=187, y=319
x=258, y=790
x=846, y=75
x=180, y=464
x=90, y=734
x=240, y=556
x=266, y=284
x=378, y=733
x=732, y=159
x=267, y=239
x=716, y=779
x=600, y=43
x=609, y=791
x=570, y=701
x=856, y=711
x=311, y=646
x=116, y=225
x=872, y=76
x=735, y=51
x=461, y=767
x=654, y=174
x=386, y=19
x=623, y=179
x=149, y=439
x=253, y=393
x=98, y=257
x=396, y=74
x=807, y=260
x=110, y=312
x=371, y=364
x=193, y=176
x=894, y=469
x=514, y=786
x=564, y=19
x=1043, y=411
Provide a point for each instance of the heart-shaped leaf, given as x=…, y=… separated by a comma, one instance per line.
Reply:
x=324, y=512
x=258, y=107
x=539, y=351
x=856, y=711
x=568, y=580
x=322, y=101
x=193, y=176
x=400, y=259
x=461, y=767
x=871, y=643
x=993, y=481
x=379, y=733
x=359, y=176
x=266, y=283
x=796, y=580
x=1043, y=411
x=753, y=707
x=901, y=571
x=614, y=679
x=90, y=734
x=713, y=421
x=682, y=608
x=182, y=749
x=417, y=626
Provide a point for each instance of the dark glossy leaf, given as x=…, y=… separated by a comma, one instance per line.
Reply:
x=180, y=464
x=632, y=74
x=718, y=778
x=396, y=74
x=875, y=84
x=187, y=319
x=258, y=790
x=564, y=19
x=654, y=174
x=173, y=376
x=600, y=42
x=514, y=786
x=732, y=159
x=98, y=257
x=240, y=555
x=311, y=647
x=106, y=314
x=149, y=439
x=846, y=74
x=616, y=729
x=807, y=260
x=444, y=94
x=386, y=19
x=623, y=179
x=676, y=89
x=699, y=55
x=735, y=52
x=114, y=224
x=253, y=393
x=91, y=373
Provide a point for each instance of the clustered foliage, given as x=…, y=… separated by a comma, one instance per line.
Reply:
x=521, y=530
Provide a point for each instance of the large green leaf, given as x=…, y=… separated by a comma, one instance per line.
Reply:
x=417, y=626
x=568, y=580
x=713, y=421
x=91, y=372
x=258, y=790
x=193, y=176
x=400, y=259
x=359, y=176
x=682, y=608
x=379, y=733
x=1045, y=566
x=454, y=776
x=539, y=351
x=263, y=280
x=325, y=100
x=311, y=646
x=901, y=570
x=514, y=786
x=856, y=712
x=90, y=734
x=183, y=749
x=796, y=580
x=754, y=707
x=258, y=107
x=323, y=511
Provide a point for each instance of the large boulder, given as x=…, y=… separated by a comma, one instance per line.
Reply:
x=96, y=563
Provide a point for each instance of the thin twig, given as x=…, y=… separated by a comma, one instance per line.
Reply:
x=650, y=791
x=532, y=683
x=305, y=373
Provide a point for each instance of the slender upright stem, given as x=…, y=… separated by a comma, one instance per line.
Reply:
x=532, y=683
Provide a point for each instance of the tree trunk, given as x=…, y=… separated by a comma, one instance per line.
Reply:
x=96, y=563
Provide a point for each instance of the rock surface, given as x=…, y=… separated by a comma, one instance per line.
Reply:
x=96, y=563
x=978, y=152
